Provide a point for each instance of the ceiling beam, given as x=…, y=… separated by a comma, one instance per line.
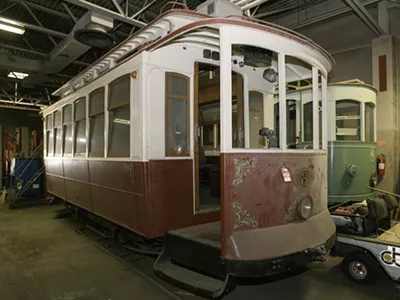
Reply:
x=44, y=9
x=118, y=7
x=39, y=53
x=143, y=9
x=37, y=20
x=112, y=14
x=19, y=107
x=365, y=16
x=69, y=12
x=326, y=16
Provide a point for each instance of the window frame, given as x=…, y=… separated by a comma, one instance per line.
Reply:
x=64, y=125
x=76, y=121
x=57, y=129
x=360, y=121
x=186, y=152
x=92, y=115
x=48, y=130
x=110, y=108
x=373, y=106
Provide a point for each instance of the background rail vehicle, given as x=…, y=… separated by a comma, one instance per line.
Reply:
x=162, y=137
x=352, y=159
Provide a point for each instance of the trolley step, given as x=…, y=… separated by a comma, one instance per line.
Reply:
x=191, y=258
x=189, y=280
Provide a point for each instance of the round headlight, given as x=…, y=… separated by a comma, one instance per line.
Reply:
x=305, y=207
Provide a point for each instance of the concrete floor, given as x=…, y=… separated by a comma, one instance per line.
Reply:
x=42, y=258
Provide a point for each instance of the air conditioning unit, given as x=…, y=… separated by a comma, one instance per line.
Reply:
x=219, y=8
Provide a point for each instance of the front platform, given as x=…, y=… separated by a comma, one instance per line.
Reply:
x=191, y=258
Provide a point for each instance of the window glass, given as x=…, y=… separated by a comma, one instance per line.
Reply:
x=347, y=120
x=67, y=114
x=96, y=101
x=57, y=118
x=68, y=139
x=119, y=92
x=58, y=149
x=369, y=122
x=256, y=119
x=80, y=109
x=80, y=138
x=119, y=132
x=50, y=143
x=177, y=86
x=49, y=121
x=96, y=146
x=177, y=121
x=208, y=135
x=308, y=122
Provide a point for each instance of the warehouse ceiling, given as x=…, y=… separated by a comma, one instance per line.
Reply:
x=50, y=54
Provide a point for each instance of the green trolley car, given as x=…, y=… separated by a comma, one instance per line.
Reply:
x=351, y=136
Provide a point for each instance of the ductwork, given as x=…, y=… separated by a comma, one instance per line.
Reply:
x=70, y=49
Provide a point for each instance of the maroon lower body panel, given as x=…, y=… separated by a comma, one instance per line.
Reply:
x=260, y=216
x=148, y=198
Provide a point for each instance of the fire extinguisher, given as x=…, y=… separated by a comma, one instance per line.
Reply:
x=381, y=165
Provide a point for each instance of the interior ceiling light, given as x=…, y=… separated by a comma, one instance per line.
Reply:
x=17, y=75
x=11, y=26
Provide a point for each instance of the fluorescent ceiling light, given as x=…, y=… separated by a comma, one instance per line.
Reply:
x=17, y=75
x=12, y=22
x=12, y=29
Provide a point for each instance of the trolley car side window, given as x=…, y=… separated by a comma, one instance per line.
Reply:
x=96, y=123
x=348, y=120
x=256, y=118
x=57, y=133
x=369, y=122
x=308, y=122
x=49, y=135
x=67, y=122
x=80, y=127
x=119, y=117
x=177, y=115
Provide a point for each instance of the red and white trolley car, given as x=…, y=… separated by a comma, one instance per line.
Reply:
x=162, y=137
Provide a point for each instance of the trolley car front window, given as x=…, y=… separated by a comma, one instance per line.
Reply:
x=176, y=115
x=369, y=122
x=348, y=120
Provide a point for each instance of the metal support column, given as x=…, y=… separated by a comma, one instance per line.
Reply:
x=226, y=89
x=315, y=105
x=282, y=101
x=324, y=100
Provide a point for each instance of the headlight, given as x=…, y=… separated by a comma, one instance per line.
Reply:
x=305, y=207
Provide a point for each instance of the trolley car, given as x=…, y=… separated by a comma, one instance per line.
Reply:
x=351, y=136
x=130, y=142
